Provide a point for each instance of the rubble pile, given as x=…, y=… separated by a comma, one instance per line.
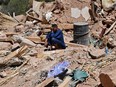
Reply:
x=25, y=63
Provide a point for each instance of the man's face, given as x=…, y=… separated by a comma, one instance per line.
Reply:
x=54, y=29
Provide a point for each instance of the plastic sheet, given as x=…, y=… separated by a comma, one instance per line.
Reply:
x=58, y=69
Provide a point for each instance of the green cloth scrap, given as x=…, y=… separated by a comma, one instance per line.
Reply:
x=79, y=75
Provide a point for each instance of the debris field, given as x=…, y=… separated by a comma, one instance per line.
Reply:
x=25, y=62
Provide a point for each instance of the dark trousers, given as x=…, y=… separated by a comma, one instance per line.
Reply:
x=53, y=41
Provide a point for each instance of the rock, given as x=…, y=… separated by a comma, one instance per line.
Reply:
x=33, y=52
x=3, y=74
x=97, y=53
x=23, y=71
x=4, y=53
x=15, y=62
x=19, y=28
x=50, y=58
x=111, y=43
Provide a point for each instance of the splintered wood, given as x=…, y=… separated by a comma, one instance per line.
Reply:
x=66, y=81
x=45, y=82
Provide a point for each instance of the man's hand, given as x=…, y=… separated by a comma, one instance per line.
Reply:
x=46, y=43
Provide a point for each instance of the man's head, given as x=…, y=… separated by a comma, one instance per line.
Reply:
x=54, y=27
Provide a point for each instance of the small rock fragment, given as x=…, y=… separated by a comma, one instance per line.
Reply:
x=15, y=62
x=97, y=53
x=3, y=74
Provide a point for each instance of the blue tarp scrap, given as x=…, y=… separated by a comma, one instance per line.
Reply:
x=58, y=69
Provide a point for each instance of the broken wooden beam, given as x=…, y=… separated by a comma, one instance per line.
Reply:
x=66, y=81
x=34, y=39
x=64, y=26
x=106, y=81
x=10, y=33
x=33, y=18
x=5, y=40
x=45, y=82
x=108, y=77
x=75, y=45
x=7, y=17
x=112, y=26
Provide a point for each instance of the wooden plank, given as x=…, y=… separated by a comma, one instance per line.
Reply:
x=34, y=39
x=65, y=26
x=75, y=45
x=5, y=40
x=10, y=33
x=45, y=82
x=106, y=80
x=112, y=26
x=66, y=81
x=110, y=73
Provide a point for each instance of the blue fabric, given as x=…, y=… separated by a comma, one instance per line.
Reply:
x=58, y=69
x=56, y=38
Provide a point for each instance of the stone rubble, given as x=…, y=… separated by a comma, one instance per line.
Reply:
x=23, y=61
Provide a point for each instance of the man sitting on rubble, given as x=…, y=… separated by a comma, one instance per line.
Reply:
x=55, y=38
